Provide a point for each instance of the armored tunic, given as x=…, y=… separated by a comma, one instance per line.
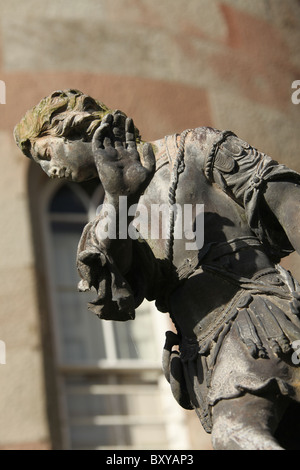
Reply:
x=242, y=337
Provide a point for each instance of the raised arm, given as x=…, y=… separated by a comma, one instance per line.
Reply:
x=105, y=252
x=124, y=173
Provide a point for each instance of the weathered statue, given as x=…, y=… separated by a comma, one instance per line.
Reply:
x=236, y=311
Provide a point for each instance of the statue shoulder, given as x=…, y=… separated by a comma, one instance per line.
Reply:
x=204, y=143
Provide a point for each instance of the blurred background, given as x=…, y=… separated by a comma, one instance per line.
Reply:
x=70, y=381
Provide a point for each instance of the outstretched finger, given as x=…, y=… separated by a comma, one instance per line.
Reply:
x=130, y=134
x=98, y=139
x=148, y=158
x=119, y=129
x=107, y=121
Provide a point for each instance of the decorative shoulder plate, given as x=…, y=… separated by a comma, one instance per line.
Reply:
x=224, y=162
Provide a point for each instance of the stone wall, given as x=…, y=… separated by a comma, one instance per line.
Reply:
x=171, y=65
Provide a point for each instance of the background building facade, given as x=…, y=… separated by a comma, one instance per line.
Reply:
x=68, y=381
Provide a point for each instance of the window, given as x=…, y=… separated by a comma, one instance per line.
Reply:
x=112, y=392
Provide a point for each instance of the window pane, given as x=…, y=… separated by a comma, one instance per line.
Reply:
x=65, y=239
x=135, y=339
x=80, y=331
x=115, y=410
x=66, y=200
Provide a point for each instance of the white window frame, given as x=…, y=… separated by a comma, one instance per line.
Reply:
x=175, y=419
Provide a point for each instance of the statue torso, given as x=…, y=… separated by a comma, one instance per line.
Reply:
x=224, y=220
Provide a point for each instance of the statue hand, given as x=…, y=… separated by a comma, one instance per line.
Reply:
x=121, y=168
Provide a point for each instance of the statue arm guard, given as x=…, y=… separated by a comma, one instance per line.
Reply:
x=244, y=173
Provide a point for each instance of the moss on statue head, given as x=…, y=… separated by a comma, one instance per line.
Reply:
x=62, y=114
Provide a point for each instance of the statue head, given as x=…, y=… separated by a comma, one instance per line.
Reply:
x=58, y=131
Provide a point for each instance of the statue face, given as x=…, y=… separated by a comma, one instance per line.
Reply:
x=62, y=158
